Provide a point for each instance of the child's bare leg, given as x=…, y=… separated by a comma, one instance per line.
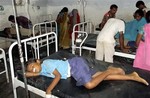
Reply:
x=100, y=76
x=113, y=74
x=133, y=76
x=119, y=71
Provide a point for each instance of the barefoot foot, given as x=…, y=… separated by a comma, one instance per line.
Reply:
x=137, y=78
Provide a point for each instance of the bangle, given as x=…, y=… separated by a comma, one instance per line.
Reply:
x=48, y=96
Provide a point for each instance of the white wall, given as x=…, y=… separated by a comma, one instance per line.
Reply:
x=94, y=9
x=32, y=10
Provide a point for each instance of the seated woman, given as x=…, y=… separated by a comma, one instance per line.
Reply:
x=143, y=52
x=133, y=28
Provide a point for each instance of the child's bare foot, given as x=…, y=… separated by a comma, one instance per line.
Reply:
x=116, y=70
x=137, y=78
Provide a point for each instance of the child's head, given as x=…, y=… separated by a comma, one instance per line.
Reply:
x=138, y=14
x=34, y=65
x=140, y=4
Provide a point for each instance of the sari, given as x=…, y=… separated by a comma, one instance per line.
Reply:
x=64, y=36
x=74, y=18
x=143, y=52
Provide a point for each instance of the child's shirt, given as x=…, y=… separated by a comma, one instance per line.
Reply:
x=49, y=65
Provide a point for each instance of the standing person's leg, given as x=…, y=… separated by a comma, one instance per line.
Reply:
x=109, y=52
x=99, y=50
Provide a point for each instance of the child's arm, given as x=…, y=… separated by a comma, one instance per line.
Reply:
x=32, y=74
x=54, y=82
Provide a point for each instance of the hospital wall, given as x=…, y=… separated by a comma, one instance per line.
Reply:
x=92, y=10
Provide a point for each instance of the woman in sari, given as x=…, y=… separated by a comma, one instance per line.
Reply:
x=74, y=18
x=63, y=21
x=143, y=52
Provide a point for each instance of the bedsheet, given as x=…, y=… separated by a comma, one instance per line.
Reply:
x=107, y=89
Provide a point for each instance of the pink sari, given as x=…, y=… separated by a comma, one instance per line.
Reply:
x=142, y=59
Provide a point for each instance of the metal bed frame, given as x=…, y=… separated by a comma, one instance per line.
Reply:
x=38, y=29
x=49, y=38
x=47, y=35
x=85, y=28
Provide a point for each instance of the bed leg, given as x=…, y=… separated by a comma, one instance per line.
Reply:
x=15, y=93
x=5, y=63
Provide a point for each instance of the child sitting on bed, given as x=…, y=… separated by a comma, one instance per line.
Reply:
x=78, y=68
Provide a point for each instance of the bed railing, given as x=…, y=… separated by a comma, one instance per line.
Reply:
x=45, y=27
x=48, y=39
x=78, y=43
x=82, y=30
x=83, y=26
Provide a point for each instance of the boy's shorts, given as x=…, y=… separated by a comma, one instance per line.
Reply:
x=80, y=70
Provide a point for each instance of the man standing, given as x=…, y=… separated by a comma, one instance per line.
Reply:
x=106, y=42
x=110, y=14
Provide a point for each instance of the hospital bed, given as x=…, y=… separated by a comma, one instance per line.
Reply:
x=67, y=88
x=38, y=29
x=87, y=40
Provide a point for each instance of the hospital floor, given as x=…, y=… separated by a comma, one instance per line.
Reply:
x=6, y=88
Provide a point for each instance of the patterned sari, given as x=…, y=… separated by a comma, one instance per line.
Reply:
x=64, y=36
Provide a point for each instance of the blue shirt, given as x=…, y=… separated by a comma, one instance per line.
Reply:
x=133, y=28
x=49, y=65
x=141, y=31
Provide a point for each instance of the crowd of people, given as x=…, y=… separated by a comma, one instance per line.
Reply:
x=127, y=34
x=77, y=67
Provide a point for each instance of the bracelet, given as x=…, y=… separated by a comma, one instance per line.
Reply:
x=48, y=96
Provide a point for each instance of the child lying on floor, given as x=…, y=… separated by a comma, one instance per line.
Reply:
x=78, y=68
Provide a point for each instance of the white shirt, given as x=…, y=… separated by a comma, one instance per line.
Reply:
x=111, y=28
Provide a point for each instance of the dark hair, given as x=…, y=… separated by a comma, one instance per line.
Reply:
x=11, y=17
x=140, y=12
x=65, y=9
x=113, y=6
x=138, y=3
x=30, y=61
x=148, y=17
